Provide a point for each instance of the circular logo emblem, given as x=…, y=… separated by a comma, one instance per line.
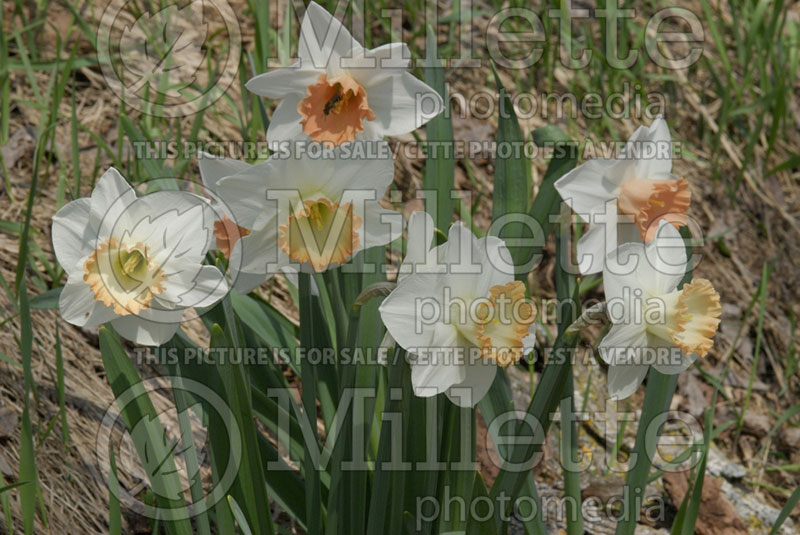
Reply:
x=163, y=457
x=172, y=62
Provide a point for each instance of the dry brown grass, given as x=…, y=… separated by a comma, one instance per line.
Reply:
x=764, y=219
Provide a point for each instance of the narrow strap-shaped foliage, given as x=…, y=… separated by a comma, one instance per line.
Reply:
x=549, y=391
x=308, y=378
x=440, y=168
x=659, y=392
x=142, y=422
x=512, y=181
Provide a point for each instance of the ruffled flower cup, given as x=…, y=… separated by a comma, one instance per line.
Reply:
x=654, y=322
x=339, y=91
x=625, y=199
x=458, y=312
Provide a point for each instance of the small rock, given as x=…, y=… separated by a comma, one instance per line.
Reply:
x=756, y=424
x=789, y=438
x=5, y=468
x=9, y=421
x=722, y=467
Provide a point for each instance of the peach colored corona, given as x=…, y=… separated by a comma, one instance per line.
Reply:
x=227, y=234
x=506, y=320
x=334, y=110
x=650, y=201
x=322, y=233
x=123, y=277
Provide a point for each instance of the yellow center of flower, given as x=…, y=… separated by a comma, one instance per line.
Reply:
x=228, y=233
x=503, y=322
x=690, y=319
x=123, y=277
x=322, y=233
x=334, y=110
x=650, y=201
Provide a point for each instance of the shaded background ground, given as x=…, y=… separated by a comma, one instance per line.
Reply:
x=735, y=114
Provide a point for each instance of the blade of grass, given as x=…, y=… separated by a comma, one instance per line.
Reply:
x=385, y=478
x=549, y=392
x=791, y=503
x=27, y=470
x=60, y=388
x=762, y=305
x=240, y=517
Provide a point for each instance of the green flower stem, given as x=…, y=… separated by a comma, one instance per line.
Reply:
x=660, y=389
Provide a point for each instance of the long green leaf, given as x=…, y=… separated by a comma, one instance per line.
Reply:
x=250, y=488
x=141, y=420
x=475, y=526
x=659, y=392
x=114, y=511
x=308, y=378
x=512, y=183
x=439, y=173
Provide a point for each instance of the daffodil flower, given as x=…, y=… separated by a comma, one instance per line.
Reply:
x=459, y=313
x=639, y=188
x=227, y=227
x=654, y=323
x=307, y=212
x=339, y=91
x=135, y=261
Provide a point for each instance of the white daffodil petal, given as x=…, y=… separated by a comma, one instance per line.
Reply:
x=176, y=226
x=380, y=226
x=379, y=63
x=147, y=332
x=420, y=240
x=441, y=365
x=258, y=253
x=387, y=342
x=587, y=187
x=213, y=168
x=653, y=146
x=623, y=380
x=282, y=82
x=628, y=268
x=622, y=343
x=246, y=193
x=670, y=359
x=353, y=174
x=203, y=289
x=403, y=103
x=324, y=41
x=409, y=313
x=111, y=195
x=73, y=236
x=666, y=255
x=79, y=307
x=596, y=244
x=479, y=376
x=285, y=123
